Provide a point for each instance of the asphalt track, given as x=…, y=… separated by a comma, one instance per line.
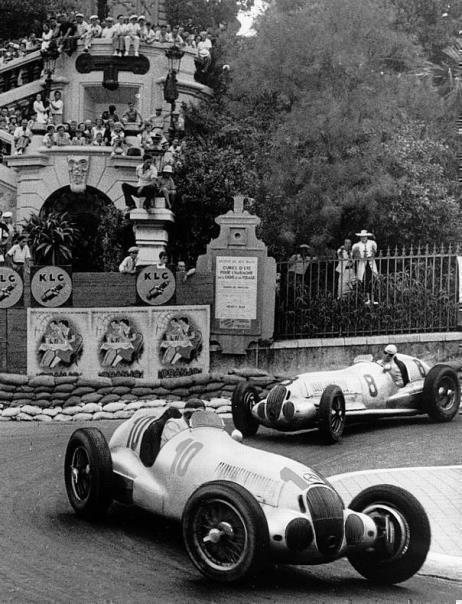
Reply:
x=49, y=555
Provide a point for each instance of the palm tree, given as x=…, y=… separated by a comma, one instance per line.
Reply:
x=52, y=237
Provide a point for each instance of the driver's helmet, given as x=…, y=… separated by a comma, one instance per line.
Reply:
x=192, y=405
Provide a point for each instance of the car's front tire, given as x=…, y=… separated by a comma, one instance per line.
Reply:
x=243, y=399
x=403, y=537
x=331, y=414
x=441, y=393
x=88, y=473
x=225, y=531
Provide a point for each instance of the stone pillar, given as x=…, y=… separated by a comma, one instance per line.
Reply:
x=150, y=230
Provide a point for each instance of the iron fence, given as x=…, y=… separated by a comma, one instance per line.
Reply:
x=399, y=291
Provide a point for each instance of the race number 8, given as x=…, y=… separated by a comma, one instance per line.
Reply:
x=371, y=385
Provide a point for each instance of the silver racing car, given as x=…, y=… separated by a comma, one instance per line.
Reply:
x=242, y=508
x=323, y=399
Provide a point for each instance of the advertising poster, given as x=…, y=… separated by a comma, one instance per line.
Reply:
x=236, y=288
x=114, y=342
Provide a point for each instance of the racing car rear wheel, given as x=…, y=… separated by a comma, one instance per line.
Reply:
x=88, y=473
x=441, y=393
x=403, y=538
x=225, y=531
x=244, y=398
x=331, y=414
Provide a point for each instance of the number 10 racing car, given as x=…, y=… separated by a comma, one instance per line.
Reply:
x=323, y=399
x=242, y=508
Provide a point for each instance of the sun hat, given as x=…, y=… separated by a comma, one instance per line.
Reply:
x=133, y=17
x=168, y=169
x=7, y=214
x=364, y=233
x=133, y=249
x=93, y=17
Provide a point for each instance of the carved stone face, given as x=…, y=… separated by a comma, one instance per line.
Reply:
x=78, y=171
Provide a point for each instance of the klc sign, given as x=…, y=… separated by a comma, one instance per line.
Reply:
x=155, y=284
x=51, y=286
x=11, y=287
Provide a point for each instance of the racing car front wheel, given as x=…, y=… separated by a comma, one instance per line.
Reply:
x=331, y=414
x=244, y=398
x=88, y=473
x=403, y=534
x=441, y=393
x=225, y=531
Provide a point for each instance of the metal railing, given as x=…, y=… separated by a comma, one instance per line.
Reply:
x=18, y=72
x=401, y=291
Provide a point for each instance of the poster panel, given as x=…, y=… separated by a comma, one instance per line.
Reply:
x=236, y=287
x=126, y=342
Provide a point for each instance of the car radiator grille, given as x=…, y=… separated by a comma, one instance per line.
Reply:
x=274, y=402
x=326, y=509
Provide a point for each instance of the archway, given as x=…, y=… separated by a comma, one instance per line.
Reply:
x=86, y=210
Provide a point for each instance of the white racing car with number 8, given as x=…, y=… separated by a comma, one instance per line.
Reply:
x=324, y=399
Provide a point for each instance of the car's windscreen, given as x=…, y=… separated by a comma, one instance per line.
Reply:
x=209, y=419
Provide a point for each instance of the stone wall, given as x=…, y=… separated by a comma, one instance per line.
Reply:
x=48, y=398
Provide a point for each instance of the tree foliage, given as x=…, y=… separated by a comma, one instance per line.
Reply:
x=330, y=121
x=53, y=237
x=205, y=13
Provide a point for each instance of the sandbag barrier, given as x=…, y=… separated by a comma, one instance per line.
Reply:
x=47, y=398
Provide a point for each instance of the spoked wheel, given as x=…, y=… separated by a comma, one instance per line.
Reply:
x=225, y=531
x=403, y=534
x=244, y=398
x=441, y=393
x=331, y=414
x=88, y=473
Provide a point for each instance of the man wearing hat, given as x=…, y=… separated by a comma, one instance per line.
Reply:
x=133, y=36
x=157, y=120
x=128, y=264
x=394, y=366
x=94, y=31
x=175, y=425
x=82, y=26
x=166, y=185
x=298, y=263
x=364, y=251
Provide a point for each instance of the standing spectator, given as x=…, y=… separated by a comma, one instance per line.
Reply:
x=298, y=263
x=167, y=156
x=79, y=139
x=204, y=57
x=146, y=186
x=176, y=38
x=22, y=137
x=364, y=251
x=56, y=108
x=98, y=140
x=47, y=35
x=345, y=269
x=132, y=37
x=94, y=31
x=73, y=127
x=40, y=110
x=118, y=144
x=132, y=114
x=19, y=254
x=157, y=120
x=167, y=186
x=112, y=115
x=128, y=264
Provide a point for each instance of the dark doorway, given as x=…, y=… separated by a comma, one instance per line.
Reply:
x=85, y=209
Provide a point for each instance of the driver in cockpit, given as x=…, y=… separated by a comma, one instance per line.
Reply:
x=175, y=425
x=394, y=366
